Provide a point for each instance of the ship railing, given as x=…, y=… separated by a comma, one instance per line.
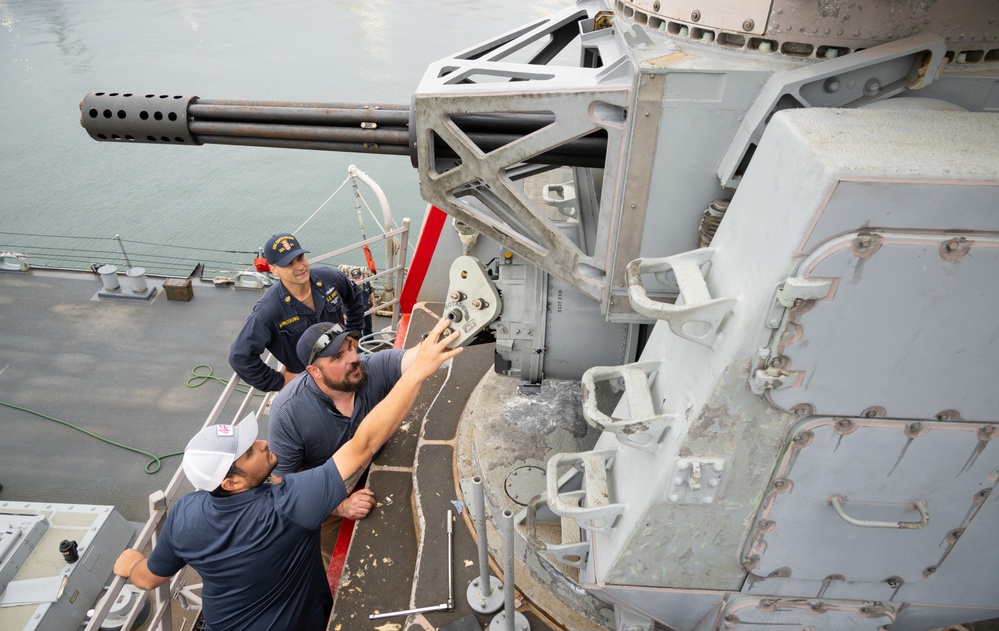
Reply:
x=392, y=277
x=161, y=613
x=161, y=618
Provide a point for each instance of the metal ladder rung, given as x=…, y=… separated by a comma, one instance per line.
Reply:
x=590, y=507
x=645, y=424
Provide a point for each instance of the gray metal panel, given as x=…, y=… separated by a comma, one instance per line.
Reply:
x=682, y=610
x=879, y=467
x=898, y=308
x=879, y=204
x=970, y=574
x=100, y=532
x=571, y=319
x=712, y=96
x=770, y=613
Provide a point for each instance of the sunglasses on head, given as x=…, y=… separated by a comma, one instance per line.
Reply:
x=324, y=340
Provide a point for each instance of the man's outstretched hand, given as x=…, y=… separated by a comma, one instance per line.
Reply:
x=433, y=350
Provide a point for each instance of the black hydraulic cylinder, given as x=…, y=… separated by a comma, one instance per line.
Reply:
x=347, y=127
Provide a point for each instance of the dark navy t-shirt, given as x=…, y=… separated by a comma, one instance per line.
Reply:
x=257, y=552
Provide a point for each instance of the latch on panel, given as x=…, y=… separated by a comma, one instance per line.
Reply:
x=772, y=379
x=793, y=292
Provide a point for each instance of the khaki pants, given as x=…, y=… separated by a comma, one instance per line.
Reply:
x=329, y=533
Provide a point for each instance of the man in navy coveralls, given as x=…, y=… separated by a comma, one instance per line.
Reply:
x=304, y=297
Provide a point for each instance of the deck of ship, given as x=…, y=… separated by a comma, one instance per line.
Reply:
x=119, y=368
x=74, y=363
x=398, y=556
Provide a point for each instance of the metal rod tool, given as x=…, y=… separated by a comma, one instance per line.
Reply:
x=450, y=562
x=449, y=605
x=440, y=607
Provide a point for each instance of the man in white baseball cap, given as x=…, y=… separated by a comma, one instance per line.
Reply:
x=256, y=544
x=209, y=456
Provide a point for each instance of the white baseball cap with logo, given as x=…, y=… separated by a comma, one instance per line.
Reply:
x=209, y=455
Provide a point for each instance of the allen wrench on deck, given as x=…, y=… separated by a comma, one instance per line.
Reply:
x=449, y=605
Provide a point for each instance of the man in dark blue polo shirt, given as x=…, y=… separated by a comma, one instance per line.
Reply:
x=304, y=297
x=321, y=408
x=254, y=543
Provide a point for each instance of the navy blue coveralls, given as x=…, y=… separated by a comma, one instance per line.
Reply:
x=278, y=320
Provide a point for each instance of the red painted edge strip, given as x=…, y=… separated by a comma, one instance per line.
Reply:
x=339, y=556
x=433, y=225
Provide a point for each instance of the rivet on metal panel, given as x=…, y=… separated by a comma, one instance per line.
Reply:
x=894, y=581
x=844, y=426
x=954, y=249
x=803, y=409
x=915, y=430
x=778, y=362
x=695, y=16
x=655, y=5
x=875, y=411
x=803, y=439
x=866, y=244
x=985, y=432
x=748, y=25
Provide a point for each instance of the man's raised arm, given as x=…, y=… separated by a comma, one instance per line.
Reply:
x=386, y=417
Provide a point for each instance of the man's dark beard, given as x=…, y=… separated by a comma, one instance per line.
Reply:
x=345, y=386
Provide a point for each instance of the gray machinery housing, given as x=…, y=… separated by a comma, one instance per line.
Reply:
x=43, y=589
x=766, y=247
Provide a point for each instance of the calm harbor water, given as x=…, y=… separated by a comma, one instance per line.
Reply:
x=210, y=203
